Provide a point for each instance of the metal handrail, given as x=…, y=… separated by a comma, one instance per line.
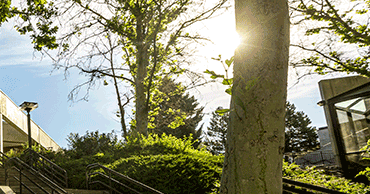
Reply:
x=290, y=186
x=53, y=186
x=24, y=185
x=111, y=172
x=2, y=158
x=48, y=168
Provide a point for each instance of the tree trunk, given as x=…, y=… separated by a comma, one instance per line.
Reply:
x=120, y=106
x=142, y=63
x=255, y=137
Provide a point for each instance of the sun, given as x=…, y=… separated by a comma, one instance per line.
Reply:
x=234, y=40
x=227, y=42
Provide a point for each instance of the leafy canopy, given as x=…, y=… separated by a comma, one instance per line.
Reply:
x=36, y=18
x=338, y=35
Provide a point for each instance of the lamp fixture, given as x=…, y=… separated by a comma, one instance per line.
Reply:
x=28, y=106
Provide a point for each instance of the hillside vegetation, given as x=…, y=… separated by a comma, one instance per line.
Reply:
x=168, y=164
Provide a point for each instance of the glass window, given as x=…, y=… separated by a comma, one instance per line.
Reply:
x=354, y=125
x=359, y=106
x=345, y=104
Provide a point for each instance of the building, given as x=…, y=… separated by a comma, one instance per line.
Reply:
x=346, y=103
x=323, y=156
x=14, y=128
x=324, y=137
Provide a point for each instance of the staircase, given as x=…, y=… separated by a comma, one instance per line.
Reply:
x=23, y=178
x=40, y=175
x=30, y=184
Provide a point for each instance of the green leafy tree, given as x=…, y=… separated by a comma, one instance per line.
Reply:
x=34, y=17
x=337, y=35
x=299, y=135
x=91, y=143
x=179, y=113
x=215, y=138
x=149, y=41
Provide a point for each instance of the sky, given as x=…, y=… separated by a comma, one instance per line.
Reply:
x=25, y=77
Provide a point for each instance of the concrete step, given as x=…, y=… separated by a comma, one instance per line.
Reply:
x=6, y=190
x=79, y=191
x=14, y=184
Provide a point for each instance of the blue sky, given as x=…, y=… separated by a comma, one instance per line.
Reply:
x=25, y=77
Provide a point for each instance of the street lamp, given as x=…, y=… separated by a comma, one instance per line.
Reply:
x=28, y=107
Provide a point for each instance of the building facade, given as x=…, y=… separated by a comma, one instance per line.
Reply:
x=14, y=128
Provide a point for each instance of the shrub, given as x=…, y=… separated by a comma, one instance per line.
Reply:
x=154, y=144
x=318, y=177
x=76, y=168
x=92, y=143
x=173, y=173
x=166, y=163
x=197, y=171
x=172, y=165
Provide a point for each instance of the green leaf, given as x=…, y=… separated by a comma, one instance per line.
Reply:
x=213, y=74
x=229, y=61
x=222, y=111
x=227, y=82
x=217, y=59
x=228, y=91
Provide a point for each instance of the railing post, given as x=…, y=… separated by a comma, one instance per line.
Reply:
x=322, y=158
x=110, y=182
x=6, y=177
x=87, y=179
x=20, y=180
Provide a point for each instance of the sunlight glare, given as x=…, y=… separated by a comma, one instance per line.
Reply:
x=226, y=42
x=234, y=40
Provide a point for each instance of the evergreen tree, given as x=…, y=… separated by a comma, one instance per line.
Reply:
x=178, y=113
x=216, y=133
x=299, y=136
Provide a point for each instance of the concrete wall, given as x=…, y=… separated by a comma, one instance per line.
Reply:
x=333, y=87
x=17, y=119
x=324, y=136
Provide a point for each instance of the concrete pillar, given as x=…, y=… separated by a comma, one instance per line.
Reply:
x=1, y=134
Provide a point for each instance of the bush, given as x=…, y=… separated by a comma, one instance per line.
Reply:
x=92, y=143
x=169, y=164
x=154, y=144
x=181, y=173
x=165, y=163
x=172, y=165
x=313, y=176
x=76, y=168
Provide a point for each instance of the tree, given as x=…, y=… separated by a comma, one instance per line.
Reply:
x=178, y=114
x=215, y=139
x=91, y=143
x=255, y=138
x=337, y=35
x=34, y=17
x=299, y=136
x=149, y=35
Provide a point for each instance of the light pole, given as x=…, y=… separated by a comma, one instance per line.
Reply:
x=28, y=107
